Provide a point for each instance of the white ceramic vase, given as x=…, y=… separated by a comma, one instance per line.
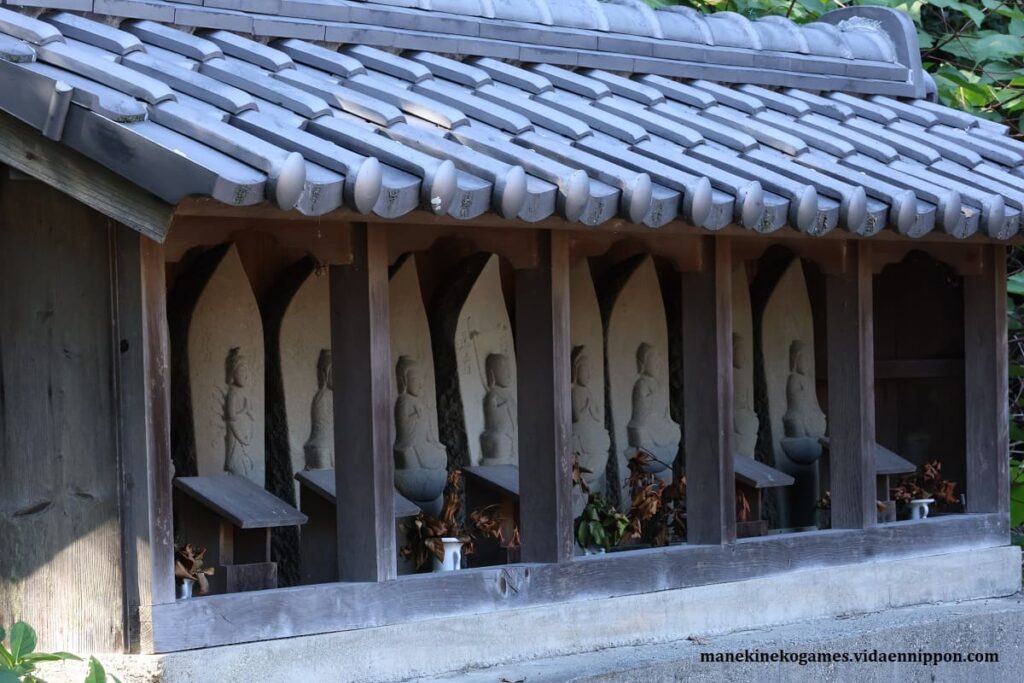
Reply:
x=185, y=589
x=919, y=507
x=452, y=556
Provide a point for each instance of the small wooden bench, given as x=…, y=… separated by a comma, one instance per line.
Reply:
x=232, y=517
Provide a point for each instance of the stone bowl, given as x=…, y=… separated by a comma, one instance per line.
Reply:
x=803, y=450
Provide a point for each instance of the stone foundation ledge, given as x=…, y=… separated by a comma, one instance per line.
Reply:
x=457, y=644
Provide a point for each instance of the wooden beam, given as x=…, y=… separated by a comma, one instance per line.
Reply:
x=24, y=148
x=985, y=381
x=545, y=417
x=364, y=464
x=143, y=421
x=306, y=610
x=851, y=391
x=707, y=396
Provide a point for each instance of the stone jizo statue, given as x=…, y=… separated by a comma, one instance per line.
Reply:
x=319, y=447
x=590, y=439
x=804, y=422
x=237, y=416
x=497, y=442
x=745, y=421
x=421, y=460
x=650, y=426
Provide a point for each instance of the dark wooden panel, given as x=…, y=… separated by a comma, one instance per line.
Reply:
x=985, y=374
x=225, y=619
x=364, y=463
x=545, y=418
x=851, y=391
x=240, y=501
x=919, y=368
x=504, y=478
x=59, y=476
x=707, y=396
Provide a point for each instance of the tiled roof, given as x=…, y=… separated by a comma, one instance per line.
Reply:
x=317, y=126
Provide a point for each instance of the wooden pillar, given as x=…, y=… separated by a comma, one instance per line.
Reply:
x=985, y=381
x=851, y=390
x=545, y=418
x=707, y=396
x=143, y=422
x=361, y=355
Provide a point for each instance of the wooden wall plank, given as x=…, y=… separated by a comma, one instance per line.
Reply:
x=59, y=485
x=545, y=417
x=141, y=360
x=364, y=464
x=707, y=396
x=985, y=374
x=306, y=610
x=851, y=391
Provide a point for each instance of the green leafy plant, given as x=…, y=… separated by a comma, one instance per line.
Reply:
x=600, y=525
x=19, y=662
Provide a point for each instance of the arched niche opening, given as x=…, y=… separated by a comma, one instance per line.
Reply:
x=919, y=374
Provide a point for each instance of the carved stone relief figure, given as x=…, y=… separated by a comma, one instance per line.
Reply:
x=745, y=421
x=237, y=415
x=650, y=426
x=590, y=439
x=803, y=417
x=420, y=459
x=319, y=447
x=497, y=442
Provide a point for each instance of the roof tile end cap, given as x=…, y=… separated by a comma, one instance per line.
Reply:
x=894, y=24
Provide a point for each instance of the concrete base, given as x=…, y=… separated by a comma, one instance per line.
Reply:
x=443, y=646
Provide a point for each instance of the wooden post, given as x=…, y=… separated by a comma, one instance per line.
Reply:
x=143, y=422
x=851, y=390
x=364, y=465
x=707, y=396
x=545, y=418
x=985, y=381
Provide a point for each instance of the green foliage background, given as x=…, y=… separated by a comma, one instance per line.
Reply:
x=974, y=49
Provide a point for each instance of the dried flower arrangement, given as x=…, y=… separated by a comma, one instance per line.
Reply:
x=657, y=511
x=927, y=482
x=188, y=565
x=424, y=533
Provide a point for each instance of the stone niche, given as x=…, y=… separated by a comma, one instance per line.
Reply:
x=421, y=460
x=476, y=366
x=636, y=337
x=222, y=427
x=591, y=442
x=745, y=420
x=304, y=353
x=797, y=421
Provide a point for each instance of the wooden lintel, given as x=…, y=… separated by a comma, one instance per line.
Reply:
x=519, y=247
x=829, y=254
x=25, y=149
x=964, y=258
x=328, y=242
x=306, y=610
x=683, y=251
